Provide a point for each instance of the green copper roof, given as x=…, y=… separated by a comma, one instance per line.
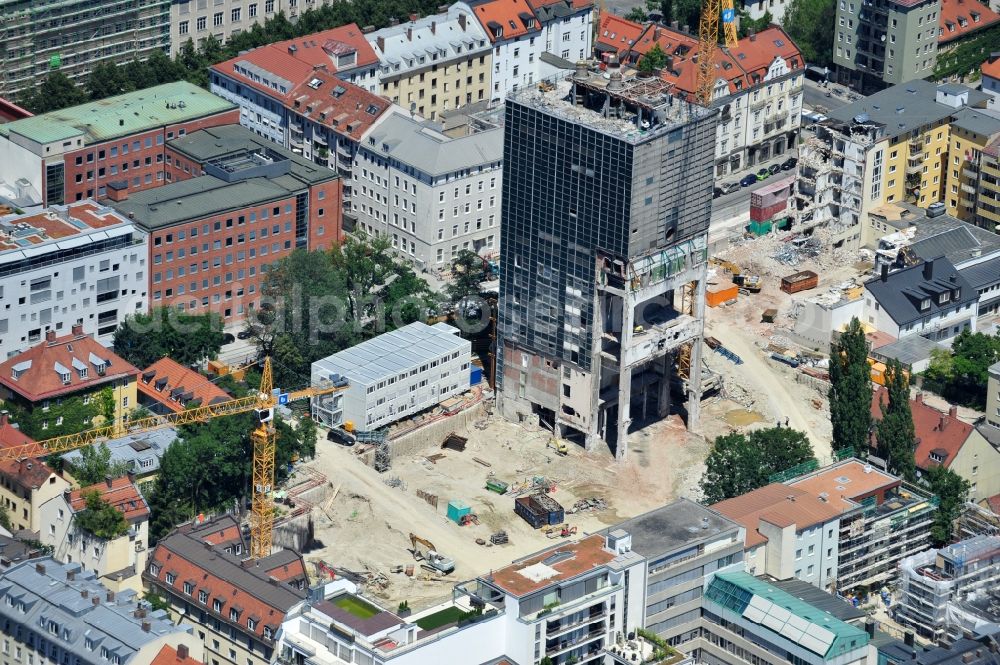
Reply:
x=122, y=115
x=792, y=618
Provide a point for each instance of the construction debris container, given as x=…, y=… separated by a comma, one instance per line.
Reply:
x=800, y=281
x=476, y=376
x=769, y=315
x=458, y=509
x=539, y=510
x=716, y=297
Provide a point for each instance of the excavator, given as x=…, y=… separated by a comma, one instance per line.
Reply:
x=424, y=550
x=750, y=283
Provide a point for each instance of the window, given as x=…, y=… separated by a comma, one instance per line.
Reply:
x=202, y=596
x=235, y=15
x=217, y=19
x=170, y=578
x=252, y=10
x=182, y=27
x=234, y=614
x=201, y=24
x=188, y=588
x=217, y=605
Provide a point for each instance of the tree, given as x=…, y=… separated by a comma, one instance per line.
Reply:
x=5, y=519
x=687, y=12
x=749, y=25
x=637, y=15
x=654, y=60
x=101, y=518
x=667, y=10
x=466, y=275
x=961, y=374
x=895, y=434
x=95, y=465
x=143, y=339
x=56, y=91
x=808, y=23
x=105, y=80
x=850, y=391
x=740, y=463
x=952, y=490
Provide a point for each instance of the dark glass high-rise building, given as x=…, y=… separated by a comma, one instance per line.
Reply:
x=606, y=200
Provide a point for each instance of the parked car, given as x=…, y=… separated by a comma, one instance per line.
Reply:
x=763, y=174
x=774, y=169
x=730, y=187
x=340, y=437
x=243, y=334
x=748, y=180
x=716, y=192
x=789, y=164
x=228, y=338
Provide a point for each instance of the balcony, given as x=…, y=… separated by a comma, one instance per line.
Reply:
x=916, y=144
x=968, y=189
x=555, y=629
x=564, y=646
x=970, y=172
x=319, y=139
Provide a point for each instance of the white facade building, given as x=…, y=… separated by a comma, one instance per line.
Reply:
x=431, y=194
x=392, y=376
x=80, y=263
x=197, y=19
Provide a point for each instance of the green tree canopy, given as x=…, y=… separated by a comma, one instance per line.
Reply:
x=749, y=25
x=466, y=276
x=94, y=465
x=654, y=60
x=810, y=25
x=850, y=391
x=740, y=463
x=636, y=14
x=56, y=91
x=894, y=433
x=143, y=339
x=953, y=491
x=960, y=375
x=101, y=518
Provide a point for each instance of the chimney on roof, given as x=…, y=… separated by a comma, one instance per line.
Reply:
x=146, y=626
x=131, y=477
x=40, y=568
x=656, y=33
x=4, y=417
x=70, y=574
x=953, y=411
x=111, y=596
x=870, y=628
x=182, y=652
x=433, y=27
x=674, y=25
x=414, y=17
x=885, y=272
x=409, y=34
x=50, y=335
x=393, y=21
x=461, y=22
x=943, y=422
x=109, y=480
x=95, y=601
x=929, y=269
x=919, y=399
x=686, y=29
x=753, y=36
x=84, y=593
x=380, y=41
x=77, y=329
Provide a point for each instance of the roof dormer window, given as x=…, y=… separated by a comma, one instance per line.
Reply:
x=925, y=304
x=944, y=297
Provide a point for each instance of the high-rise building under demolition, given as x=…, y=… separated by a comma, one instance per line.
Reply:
x=606, y=200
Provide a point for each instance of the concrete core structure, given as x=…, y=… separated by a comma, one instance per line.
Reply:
x=602, y=290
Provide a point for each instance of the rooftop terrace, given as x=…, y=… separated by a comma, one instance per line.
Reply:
x=635, y=109
x=56, y=225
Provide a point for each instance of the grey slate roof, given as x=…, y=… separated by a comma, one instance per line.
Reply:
x=954, y=239
x=820, y=599
x=393, y=352
x=908, y=350
x=141, y=453
x=981, y=275
x=674, y=526
x=901, y=293
x=46, y=593
x=971, y=120
x=419, y=145
x=903, y=107
x=441, y=35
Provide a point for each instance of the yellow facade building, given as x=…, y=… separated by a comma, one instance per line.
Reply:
x=973, y=172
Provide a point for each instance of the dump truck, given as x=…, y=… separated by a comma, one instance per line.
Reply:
x=424, y=550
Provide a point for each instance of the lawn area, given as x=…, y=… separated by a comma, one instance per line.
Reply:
x=356, y=606
x=443, y=618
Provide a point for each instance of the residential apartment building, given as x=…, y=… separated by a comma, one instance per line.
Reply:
x=58, y=612
x=930, y=299
x=25, y=484
x=885, y=42
x=302, y=106
x=973, y=172
x=433, y=64
x=167, y=387
x=197, y=19
x=246, y=204
x=597, y=242
x=73, y=366
x=117, y=562
x=929, y=582
x=392, y=376
x=943, y=440
x=890, y=147
x=80, y=263
x=140, y=454
x=74, y=153
x=432, y=194
x=991, y=80
x=758, y=90
x=882, y=520
x=681, y=543
x=520, y=31
x=39, y=36
x=959, y=20
x=790, y=533
x=235, y=606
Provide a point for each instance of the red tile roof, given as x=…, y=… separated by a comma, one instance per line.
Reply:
x=77, y=355
x=120, y=493
x=166, y=378
x=28, y=473
x=617, y=34
x=169, y=656
x=9, y=111
x=12, y=437
x=511, y=16
x=959, y=18
x=310, y=87
x=241, y=585
x=940, y=434
x=991, y=67
x=323, y=48
x=779, y=505
x=993, y=503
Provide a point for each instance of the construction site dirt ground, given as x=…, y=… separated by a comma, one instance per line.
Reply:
x=367, y=525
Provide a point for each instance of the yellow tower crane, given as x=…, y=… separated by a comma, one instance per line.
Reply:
x=263, y=438
x=708, y=40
